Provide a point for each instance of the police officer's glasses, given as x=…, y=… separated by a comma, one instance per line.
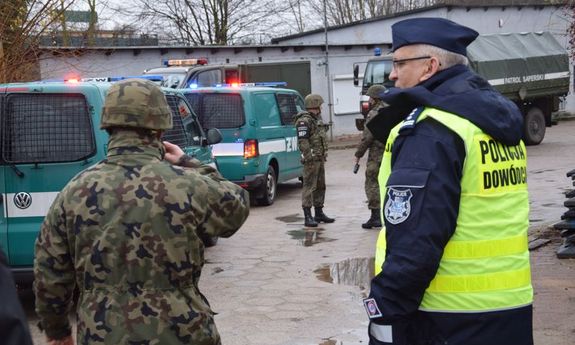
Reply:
x=401, y=62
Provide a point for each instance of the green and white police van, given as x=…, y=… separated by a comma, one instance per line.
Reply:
x=50, y=131
x=259, y=147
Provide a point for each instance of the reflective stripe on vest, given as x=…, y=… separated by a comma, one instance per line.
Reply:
x=485, y=265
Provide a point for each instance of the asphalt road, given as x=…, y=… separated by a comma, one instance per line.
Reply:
x=275, y=282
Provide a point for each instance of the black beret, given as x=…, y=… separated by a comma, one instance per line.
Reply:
x=437, y=32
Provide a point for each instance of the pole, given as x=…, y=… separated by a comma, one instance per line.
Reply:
x=328, y=79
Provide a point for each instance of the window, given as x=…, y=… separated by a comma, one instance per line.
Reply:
x=172, y=80
x=177, y=134
x=209, y=78
x=290, y=105
x=218, y=110
x=266, y=109
x=45, y=128
x=377, y=72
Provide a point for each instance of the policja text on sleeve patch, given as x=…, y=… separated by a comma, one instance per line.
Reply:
x=371, y=308
x=398, y=205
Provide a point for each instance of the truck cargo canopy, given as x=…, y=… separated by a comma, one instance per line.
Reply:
x=522, y=65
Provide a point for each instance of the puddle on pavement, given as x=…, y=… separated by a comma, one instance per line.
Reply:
x=354, y=271
x=323, y=274
x=291, y=218
x=308, y=237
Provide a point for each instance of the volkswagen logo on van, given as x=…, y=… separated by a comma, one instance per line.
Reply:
x=22, y=200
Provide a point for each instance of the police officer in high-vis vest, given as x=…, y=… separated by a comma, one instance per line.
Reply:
x=452, y=261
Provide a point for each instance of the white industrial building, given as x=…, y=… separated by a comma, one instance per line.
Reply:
x=346, y=45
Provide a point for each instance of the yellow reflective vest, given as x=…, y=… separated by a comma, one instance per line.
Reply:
x=485, y=265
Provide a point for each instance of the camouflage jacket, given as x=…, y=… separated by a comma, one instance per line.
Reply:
x=126, y=232
x=311, y=135
x=375, y=146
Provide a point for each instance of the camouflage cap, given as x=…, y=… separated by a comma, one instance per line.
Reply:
x=375, y=91
x=136, y=103
x=312, y=101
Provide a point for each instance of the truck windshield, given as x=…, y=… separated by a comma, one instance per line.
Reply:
x=377, y=72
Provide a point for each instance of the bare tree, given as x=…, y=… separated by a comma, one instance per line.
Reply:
x=205, y=22
x=22, y=24
x=570, y=15
x=346, y=11
x=340, y=12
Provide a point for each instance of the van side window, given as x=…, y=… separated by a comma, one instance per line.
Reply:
x=46, y=128
x=218, y=110
x=266, y=109
x=177, y=135
x=288, y=107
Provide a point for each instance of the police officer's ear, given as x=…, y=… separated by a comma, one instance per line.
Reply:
x=432, y=66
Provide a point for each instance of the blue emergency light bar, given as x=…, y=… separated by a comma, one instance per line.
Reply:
x=151, y=77
x=262, y=83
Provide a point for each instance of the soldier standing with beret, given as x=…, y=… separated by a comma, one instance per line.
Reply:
x=127, y=233
x=452, y=261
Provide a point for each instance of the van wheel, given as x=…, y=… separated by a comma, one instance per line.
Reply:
x=270, y=188
x=534, y=127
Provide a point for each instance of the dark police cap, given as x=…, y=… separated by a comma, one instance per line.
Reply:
x=437, y=32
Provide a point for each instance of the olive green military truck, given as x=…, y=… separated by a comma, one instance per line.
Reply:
x=531, y=69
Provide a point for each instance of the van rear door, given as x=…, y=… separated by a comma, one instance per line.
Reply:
x=47, y=138
x=289, y=105
x=186, y=131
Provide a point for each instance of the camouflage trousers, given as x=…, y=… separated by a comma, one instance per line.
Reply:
x=313, y=193
x=371, y=184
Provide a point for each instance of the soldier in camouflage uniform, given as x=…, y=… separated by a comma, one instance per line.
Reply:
x=374, y=156
x=126, y=232
x=312, y=142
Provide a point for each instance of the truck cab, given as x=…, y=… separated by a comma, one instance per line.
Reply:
x=377, y=71
x=184, y=73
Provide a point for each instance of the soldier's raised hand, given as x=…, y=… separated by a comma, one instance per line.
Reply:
x=173, y=152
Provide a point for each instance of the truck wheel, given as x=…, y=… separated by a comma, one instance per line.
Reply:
x=534, y=126
x=270, y=188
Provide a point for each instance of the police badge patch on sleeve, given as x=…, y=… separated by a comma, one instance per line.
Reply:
x=371, y=308
x=398, y=206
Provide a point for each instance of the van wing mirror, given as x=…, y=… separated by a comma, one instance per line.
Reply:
x=214, y=136
x=355, y=74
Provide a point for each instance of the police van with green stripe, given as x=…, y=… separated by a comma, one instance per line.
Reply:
x=50, y=131
x=259, y=147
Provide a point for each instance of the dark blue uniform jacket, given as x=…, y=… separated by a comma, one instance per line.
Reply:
x=415, y=245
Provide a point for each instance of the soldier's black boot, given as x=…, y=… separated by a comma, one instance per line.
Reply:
x=309, y=221
x=321, y=217
x=374, y=221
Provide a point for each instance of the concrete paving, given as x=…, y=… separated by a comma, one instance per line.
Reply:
x=278, y=283
x=275, y=289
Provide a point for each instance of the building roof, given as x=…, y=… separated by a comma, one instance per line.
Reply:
x=448, y=4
